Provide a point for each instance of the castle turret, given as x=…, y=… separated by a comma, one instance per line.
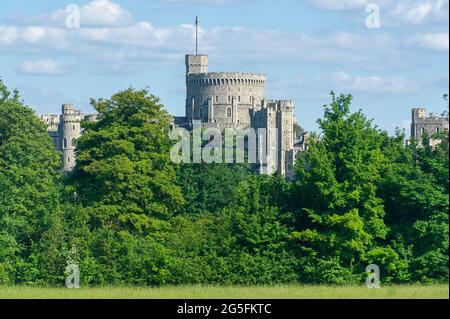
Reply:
x=196, y=64
x=422, y=124
x=71, y=131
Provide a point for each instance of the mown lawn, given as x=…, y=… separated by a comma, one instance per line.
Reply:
x=219, y=292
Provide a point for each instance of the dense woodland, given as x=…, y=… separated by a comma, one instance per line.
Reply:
x=128, y=216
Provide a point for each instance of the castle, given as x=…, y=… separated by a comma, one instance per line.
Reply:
x=427, y=125
x=221, y=100
x=237, y=100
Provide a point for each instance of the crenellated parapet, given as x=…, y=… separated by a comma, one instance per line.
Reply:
x=222, y=99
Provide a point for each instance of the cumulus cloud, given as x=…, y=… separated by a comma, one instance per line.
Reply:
x=250, y=44
x=394, y=12
x=43, y=67
x=105, y=13
x=372, y=84
x=117, y=42
x=339, y=4
x=419, y=12
x=98, y=13
x=438, y=41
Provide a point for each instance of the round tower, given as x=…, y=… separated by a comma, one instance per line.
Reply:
x=224, y=99
x=71, y=131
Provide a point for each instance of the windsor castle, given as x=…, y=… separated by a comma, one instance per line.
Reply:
x=229, y=100
x=221, y=100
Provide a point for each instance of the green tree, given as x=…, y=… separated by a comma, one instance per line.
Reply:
x=123, y=163
x=339, y=216
x=209, y=188
x=125, y=181
x=415, y=193
x=31, y=230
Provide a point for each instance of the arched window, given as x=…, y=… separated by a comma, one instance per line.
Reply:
x=217, y=99
x=229, y=112
x=65, y=142
x=74, y=142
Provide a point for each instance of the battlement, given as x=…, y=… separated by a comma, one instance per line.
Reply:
x=196, y=63
x=279, y=105
x=226, y=79
x=427, y=125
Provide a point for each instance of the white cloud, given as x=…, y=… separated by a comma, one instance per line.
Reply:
x=438, y=41
x=419, y=12
x=99, y=13
x=8, y=35
x=118, y=42
x=394, y=12
x=372, y=84
x=43, y=67
x=339, y=5
x=105, y=13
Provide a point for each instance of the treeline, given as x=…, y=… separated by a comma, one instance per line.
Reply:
x=128, y=215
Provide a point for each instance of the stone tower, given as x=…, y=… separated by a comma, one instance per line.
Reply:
x=70, y=128
x=422, y=124
x=277, y=118
x=221, y=99
x=237, y=100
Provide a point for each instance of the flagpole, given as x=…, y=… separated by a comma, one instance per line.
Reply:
x=196, y=35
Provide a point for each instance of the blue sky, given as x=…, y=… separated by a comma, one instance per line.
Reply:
x=306, y=48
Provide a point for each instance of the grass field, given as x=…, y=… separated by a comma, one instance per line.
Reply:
x=218, y=292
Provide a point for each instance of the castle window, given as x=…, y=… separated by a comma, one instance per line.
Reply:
x=422, y=130
x=65, y=143
x=438, y=129
x=229, y=112
x=74, y=128
x=239, y=98
x=74, y=141
x=201, y=113
x=229, y=98
x=68, y=160
x=229, y=90
x=217, y=99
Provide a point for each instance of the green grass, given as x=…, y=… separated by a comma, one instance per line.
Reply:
x=220, y=292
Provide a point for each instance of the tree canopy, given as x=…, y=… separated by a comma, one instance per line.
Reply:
x=128, y=215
